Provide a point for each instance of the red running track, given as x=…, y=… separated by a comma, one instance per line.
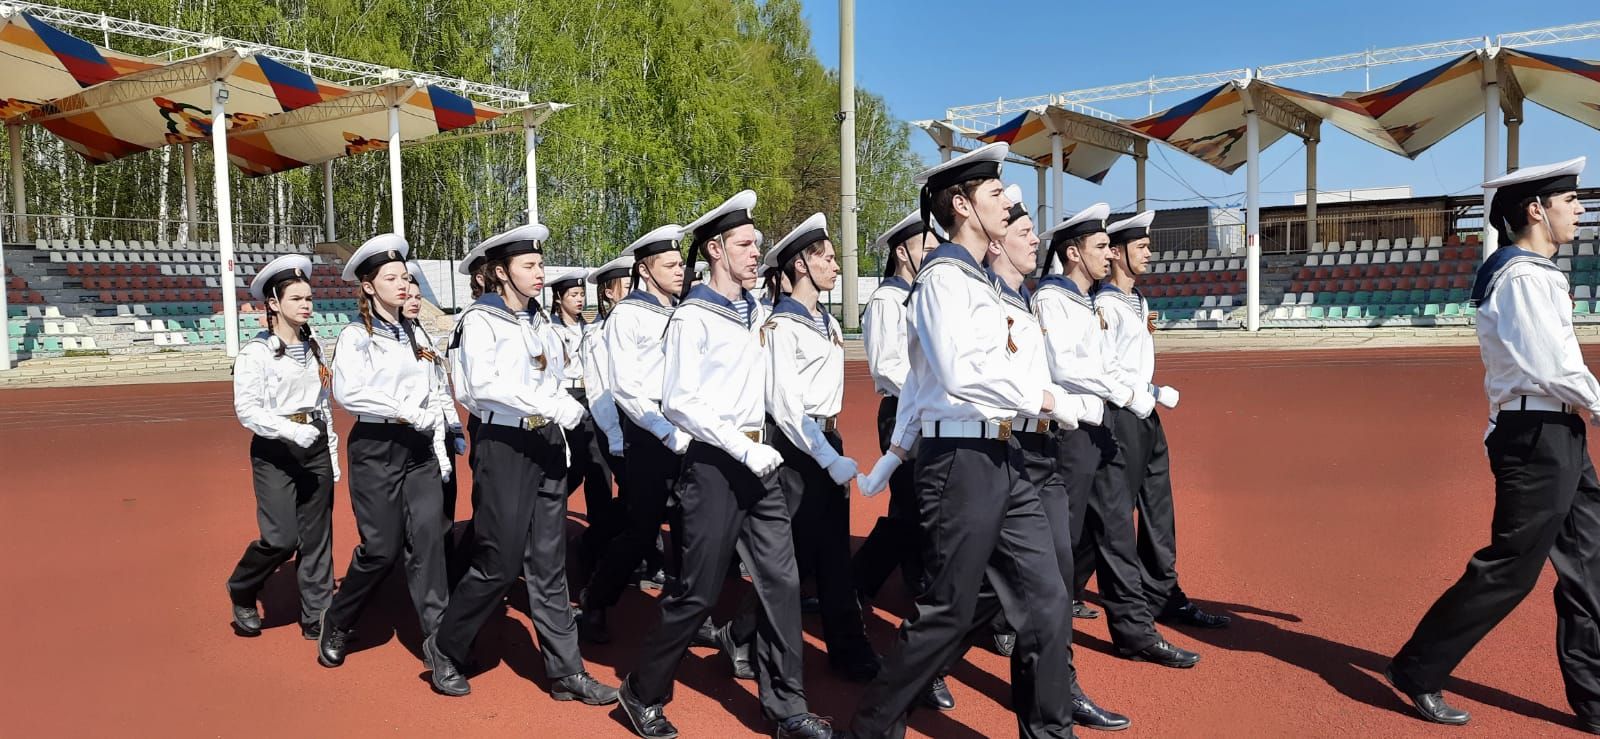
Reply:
x=1325, y=498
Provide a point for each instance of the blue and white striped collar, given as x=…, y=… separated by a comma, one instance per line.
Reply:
x=703, y=295
x=788, y=306
x=1489, y=272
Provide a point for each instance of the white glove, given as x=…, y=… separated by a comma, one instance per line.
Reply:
x=1167, y=396
x=1093, y=411
x=422, y=419
x=333, y=454
x=842, y=469
x=303, y=435
x=1143, y=404
x=873, y=483
x=677, y=441
x=568, y=412
x=762, y=459
x=1065, y=410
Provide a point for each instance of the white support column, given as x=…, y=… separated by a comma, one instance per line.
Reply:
x=1058, y=171
x=530, y=135
x=944, y=153
x=224, y=195
x=1252, y=219
x=1043, y=217
x=847, y=164
x=329, y=231
x=397, y=200
x=1141, y=161
x=19, y=186
x=1491, y=141
x=1311, y=183
x=191, y=197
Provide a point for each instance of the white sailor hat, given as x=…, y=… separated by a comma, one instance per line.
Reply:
x=1018, y=210
x=660, y=240
x=901, y=232
x=615, y=269
x=527, y=239
x=700, y=269
x=1087, y=221
x=811, y=231
x=733, y=212
x=286, y=267
x=982, y=163
x=1131, y=229
x=1529, y=182
x=376, y=252
x=567, y=278
x=416, y=271
x=761, y=238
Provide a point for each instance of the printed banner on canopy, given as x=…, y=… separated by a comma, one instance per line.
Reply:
x=1567, y=86
x=1210, y=128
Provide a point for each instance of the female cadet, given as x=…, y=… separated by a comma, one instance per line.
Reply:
x=384, y=378
x=587, y=464
x=611, y=284
x=280, y=392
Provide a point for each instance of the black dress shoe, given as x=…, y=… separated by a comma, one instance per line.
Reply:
x=1593, y=727
x=331, y=642
x=1191, y=615
x=861, y=668
x=583, y=687
x=1430, y=705
x=592, y=624
x=648, y=720
x=1004, y=644
x=246, y=619
x=938, y=696
x=652, y=579
x=1164, y=654
x=446, y=679
x=311, y=631
x=738, y=655
x=706, y=636
x=805, y=726
x=1083, y=610
x=1090, y=716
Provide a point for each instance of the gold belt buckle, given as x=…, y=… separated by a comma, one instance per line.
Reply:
x=1005, y=431
x=300, y=417
x=830, y=424
x=754, y=436
x=533, y=423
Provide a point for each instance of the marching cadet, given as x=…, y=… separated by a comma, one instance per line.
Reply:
x=611, y=285
x=805, y=393
x=634, y=332
x=454, y=440
x=280, y=393
x=384, y=378
x=587, y=466
x=977, y=510
x=715, y=378
x=1145, y=464
x=511, y=373
x=1102, y=504
x=1547, y=499
x=895, y=540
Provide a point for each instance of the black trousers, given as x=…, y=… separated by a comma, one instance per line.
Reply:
x=821, y=514
x=653, y=472
x=394, y=489
x=980, y=517
x=1040, y=471
x=591, y=470
x=896, y=539
x=1546, y=504
x=1103, y=533
x=294, y=510
x=1148, y=472
x=727, y=508
x=518, y=525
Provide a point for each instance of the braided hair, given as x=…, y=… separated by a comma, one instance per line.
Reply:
x=364, y=307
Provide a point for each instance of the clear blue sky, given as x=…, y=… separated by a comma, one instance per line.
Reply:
x=1035, y=47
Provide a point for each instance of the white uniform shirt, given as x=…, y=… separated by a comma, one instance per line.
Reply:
x=635, y=332
x=1025, y=344
x=959, y=364
x=597, y=382
x=1075, y=343
x=883, y=332
x=1133, y=349
x=267, y=388
x=571, y=338
x=1525, y=333
x=376, y=375
x=807, y=376
x=503, y=363
x=715, y=374
x=442, y=378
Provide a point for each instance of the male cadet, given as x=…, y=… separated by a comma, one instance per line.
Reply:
x=652, y=444
x=1144, y=460
x=1546, y=498
x=977, y=512
x=714, y=389
x=895, y=540
x=1102, y=504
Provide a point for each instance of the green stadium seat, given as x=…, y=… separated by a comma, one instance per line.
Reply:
x=1336, y=312
x=193, y=337
x=1460, y=296
x=1361, y=298
x=1438, y=296
x=1452, y=309
x=1581, y=307
x=1417, y=296
x=1432, y=309
x=1317, y=313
